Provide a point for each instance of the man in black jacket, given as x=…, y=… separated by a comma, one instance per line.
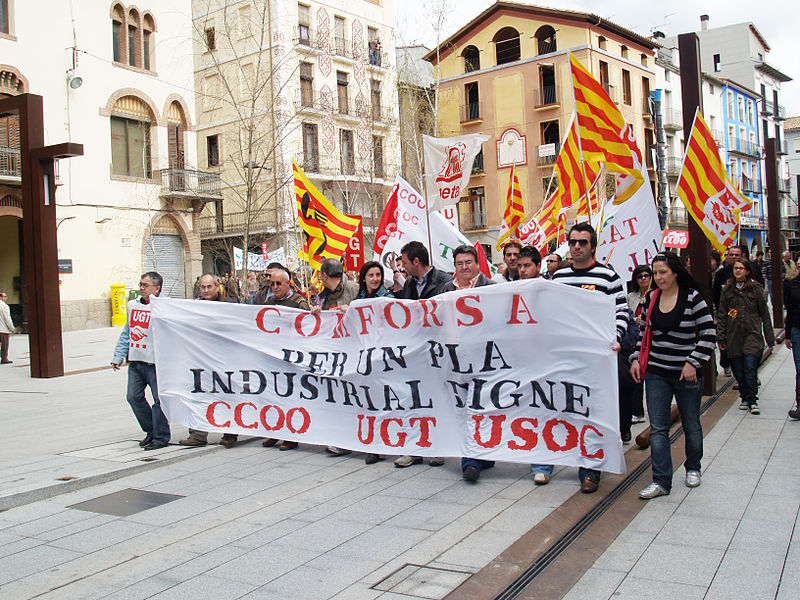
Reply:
x=791, y=299
x=424, y=281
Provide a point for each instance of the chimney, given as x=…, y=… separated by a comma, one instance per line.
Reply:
x=659, y=35
x=703, y=22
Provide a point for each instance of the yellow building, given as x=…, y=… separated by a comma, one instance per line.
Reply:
x=506, y=74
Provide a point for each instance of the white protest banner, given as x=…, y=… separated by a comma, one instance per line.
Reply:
x=630, y=234
x=448, y=166
x=409, y=223
x=255, y=262
x=449, y=376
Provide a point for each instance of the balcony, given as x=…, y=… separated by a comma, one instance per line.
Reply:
x=678, y=215
x=674, y=164
x=342, y=47
x=378, y=58
x=547, y=97
x=471, y=221
x=471, y=112
x=307, y=38
x=673, y=119
x=750, y=187
x=784, y=185
x=741, y=146
x=546, y=154
x=190, y=183
x=546, y=46
x=777, y=111
x=232, y=224
x=719, y=137
x=477, y=164
x=781, y=147
x=10, y=168
x=306, y=101
x=383, y=115
x=308, y=162
x=613, y=92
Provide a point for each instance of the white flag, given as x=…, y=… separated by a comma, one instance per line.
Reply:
x=448, y=167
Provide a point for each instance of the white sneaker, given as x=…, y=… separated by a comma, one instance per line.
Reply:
x=743, y=405
x=407, y=461
x=692, y=478
x=727, y=371
x=653, y=490
x=541, y=478
x=336, y=451
x=754, y=410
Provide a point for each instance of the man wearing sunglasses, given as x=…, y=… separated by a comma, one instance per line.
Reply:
x=585, y=272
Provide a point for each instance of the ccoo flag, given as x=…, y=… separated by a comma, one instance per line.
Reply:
x=706, y=190
x=327, y=230
x=515, y=211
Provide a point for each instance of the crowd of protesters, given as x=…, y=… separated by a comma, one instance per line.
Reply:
x=666, y=332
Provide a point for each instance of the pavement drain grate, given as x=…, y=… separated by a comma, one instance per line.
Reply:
x=125, y=502
x=419, y=581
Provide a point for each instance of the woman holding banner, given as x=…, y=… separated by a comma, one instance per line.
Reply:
x=678, y=338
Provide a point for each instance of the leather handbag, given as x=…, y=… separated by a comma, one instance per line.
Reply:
x=647, y=336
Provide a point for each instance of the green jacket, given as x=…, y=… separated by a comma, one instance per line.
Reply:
x=741, y=317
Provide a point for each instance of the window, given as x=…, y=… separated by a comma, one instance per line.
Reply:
x=740, y=108
x=604, y=76
x=212, y=150
x=117, y=33
x=753, y=149
x=374, y=45
x=473, y=106
x=742, y=140
x=339, y=42
x=375, y=95
x=549, y=186
x=243, y=21
x=731, y=112
x=775, y=107
x=731, y=138
x=4, y=20
x=506, y=45
x=130, y=147
x=247, y=79
x=623, y=51
x=211, y=39
x=341, y=91
x=717, y=63
x=643, y=59
x=132, y=45
x=306, y=84
x=210, y=92
x=545, y=38
x=477, y=164
x=550, y=134
x=148, y=27
x=645, y=95
x=472, y=213
x=472, y=59
x=377, y=156
x=547, y=85
x=750, y=114
x=626, y=86
x=602, y=43
x=310, y=147
x=304, y=24
x=348, y=161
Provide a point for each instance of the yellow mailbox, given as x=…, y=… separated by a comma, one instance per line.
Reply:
x=119, y=308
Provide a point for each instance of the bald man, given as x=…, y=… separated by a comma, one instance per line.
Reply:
x=209, y=290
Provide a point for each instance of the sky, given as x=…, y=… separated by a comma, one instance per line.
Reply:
x=414, y=24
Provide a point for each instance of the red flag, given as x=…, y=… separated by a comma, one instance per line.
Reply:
x=388, y=222
x=483, y=262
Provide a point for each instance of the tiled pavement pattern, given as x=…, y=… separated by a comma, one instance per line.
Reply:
x=260, y=523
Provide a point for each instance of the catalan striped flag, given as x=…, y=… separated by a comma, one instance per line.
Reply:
x=515, y=210
x=589, y=205
x=572, y=183
x=604, y=135
x=327, y=230
x=706, y=190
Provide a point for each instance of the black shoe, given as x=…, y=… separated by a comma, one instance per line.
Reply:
x=147, y=439
x=471, y=473
x=373, y=458
x=156, y=445
x=626, y=437
x=6, y=362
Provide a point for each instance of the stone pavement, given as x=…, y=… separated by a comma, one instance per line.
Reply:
x=259, y=523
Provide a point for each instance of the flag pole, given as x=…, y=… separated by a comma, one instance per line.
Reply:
x=427, y=206
x=580, y=144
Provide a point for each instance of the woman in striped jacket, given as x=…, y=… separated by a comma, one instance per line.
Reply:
x=683, y=340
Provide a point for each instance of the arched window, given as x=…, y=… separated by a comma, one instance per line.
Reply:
x=601, y=42
x=506, y=45
x=644, y=60
x=623, y=51
x=130, y=137
x=134, y=40
x=545, y=40
x=118, y=33
x=176, y=125
x=148, y=41
x=472, y=59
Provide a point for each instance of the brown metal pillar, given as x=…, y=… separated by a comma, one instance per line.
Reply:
x=699, y=246
x=40, y=247
x=774, y=228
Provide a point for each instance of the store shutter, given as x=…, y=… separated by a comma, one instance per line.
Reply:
x=165, y=256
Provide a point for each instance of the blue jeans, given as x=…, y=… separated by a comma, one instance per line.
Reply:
x=582, y=472
x=659, y=391
x=794, y=336
x=151, y=418
x=745, y=369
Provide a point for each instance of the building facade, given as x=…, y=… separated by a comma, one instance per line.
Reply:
x=118, y=79
x=507, y=74
x=281, y=81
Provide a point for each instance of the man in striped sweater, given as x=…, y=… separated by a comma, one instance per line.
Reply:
x=586, y=273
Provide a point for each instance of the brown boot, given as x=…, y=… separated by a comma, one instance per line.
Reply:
x=229, y=440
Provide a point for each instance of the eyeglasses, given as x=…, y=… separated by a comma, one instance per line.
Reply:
x=581, y=243
x=643, y=276
x=553, y=260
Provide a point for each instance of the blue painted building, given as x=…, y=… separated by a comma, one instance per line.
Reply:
x=743, y=155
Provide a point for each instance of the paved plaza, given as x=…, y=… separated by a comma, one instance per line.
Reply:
x=258, y=523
